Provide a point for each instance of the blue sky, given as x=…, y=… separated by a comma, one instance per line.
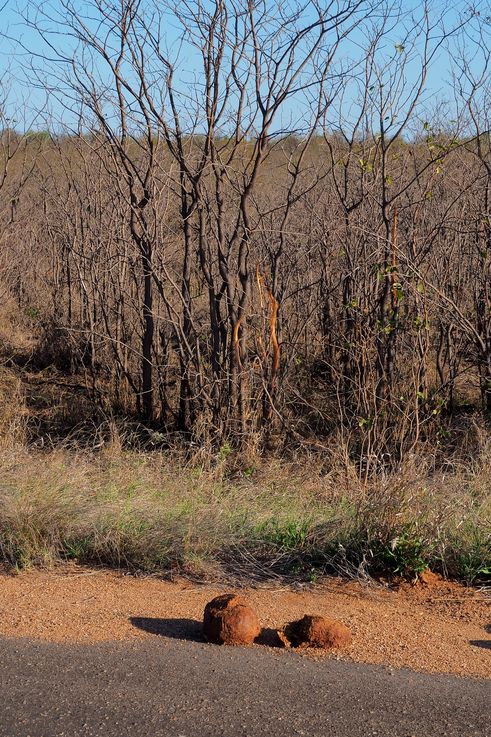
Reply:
x=25, y=96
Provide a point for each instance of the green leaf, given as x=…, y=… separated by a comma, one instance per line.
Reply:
x=398, y=291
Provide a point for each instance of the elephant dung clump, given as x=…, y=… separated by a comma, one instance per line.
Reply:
x=315, y=631
x=229, y=620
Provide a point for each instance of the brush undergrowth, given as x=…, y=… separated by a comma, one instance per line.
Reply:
x=219, y=515
x=153, y=513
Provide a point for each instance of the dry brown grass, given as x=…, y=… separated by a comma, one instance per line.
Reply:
x=17, y=338
x=157, y=512
x=12, y=410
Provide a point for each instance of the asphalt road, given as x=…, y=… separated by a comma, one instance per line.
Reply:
x=168, y=687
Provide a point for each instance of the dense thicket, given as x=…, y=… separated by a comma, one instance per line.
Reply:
x=295, y=245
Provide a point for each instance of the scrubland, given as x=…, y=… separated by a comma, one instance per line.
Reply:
x=113, y=494
x=246, y=306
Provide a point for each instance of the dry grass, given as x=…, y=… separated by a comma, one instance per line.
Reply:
x=153, y=512
x=12, y=410
x=17, y=338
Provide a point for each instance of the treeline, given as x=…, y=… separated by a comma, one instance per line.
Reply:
x=211, y=272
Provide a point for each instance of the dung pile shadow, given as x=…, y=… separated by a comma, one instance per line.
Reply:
x=269, y=638
x=192, y=630
x=486, y=644
x=178, y=629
